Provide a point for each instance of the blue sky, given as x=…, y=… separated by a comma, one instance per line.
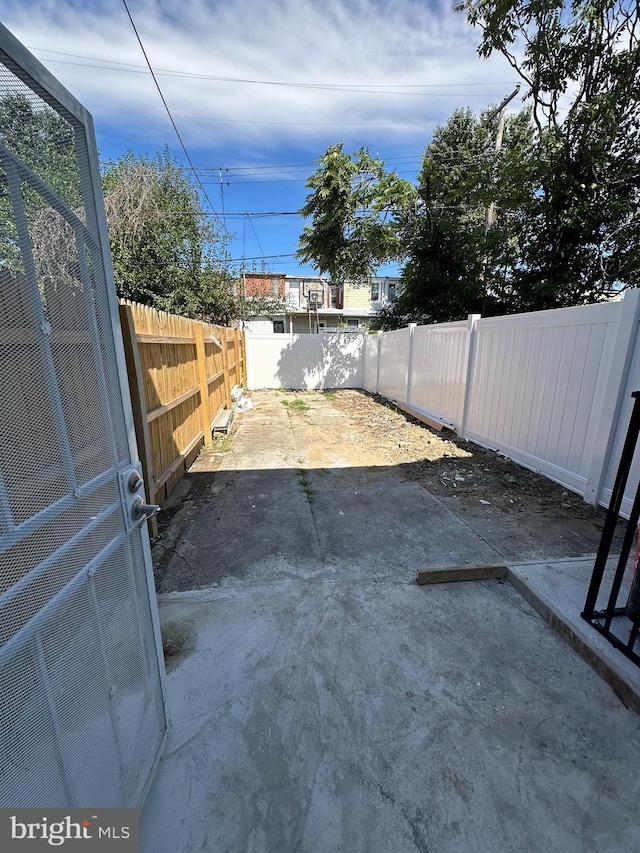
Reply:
x=258, y=90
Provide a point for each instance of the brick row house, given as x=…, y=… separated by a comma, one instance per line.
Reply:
x=312, y=304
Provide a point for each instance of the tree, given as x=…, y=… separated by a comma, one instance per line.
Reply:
x=44, y=142
x=354, y=205
x=161, y=240
x=454, y=266
x=581, y=63
x=166, y=251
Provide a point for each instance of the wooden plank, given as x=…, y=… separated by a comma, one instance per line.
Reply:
x=419, y=416
x=236, y=349
x=138, y=404
x=163, y=339
x=162, y=479
x=166, y=407
x=205, y=415
x=227, y=382
x=215, y=376
x=453, y=574
x=216, y=416
x=224, y=421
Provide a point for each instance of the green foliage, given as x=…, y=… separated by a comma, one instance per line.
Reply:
x=454, y=267
x=581, y=63
x=44, y=142
x=566, y=184
x=166, y=251
x=297, y=405
x=160, y=237
x=354, y=206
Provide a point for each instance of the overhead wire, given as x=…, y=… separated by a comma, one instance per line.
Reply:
x=365, y=88
x=175, y=126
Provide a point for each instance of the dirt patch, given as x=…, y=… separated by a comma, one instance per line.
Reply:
x=520, y=513
x=448, y=466
x=177, y=643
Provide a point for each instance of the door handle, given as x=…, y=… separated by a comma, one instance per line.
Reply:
x=140, y=509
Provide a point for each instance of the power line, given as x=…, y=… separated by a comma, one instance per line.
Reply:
x=263, y=257
x=175, y=126
x=366, y=88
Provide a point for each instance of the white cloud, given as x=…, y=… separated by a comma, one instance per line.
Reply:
x=336, y=42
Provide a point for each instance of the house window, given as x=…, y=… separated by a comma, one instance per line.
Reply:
x=375, y=291
x=334, y=295
x=278, y=326
x=392, y=291
x=352, y=323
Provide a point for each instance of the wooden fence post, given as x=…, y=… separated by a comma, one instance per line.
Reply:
x=139, y=406
x=205, y=414
x=225, y=364
x=236, y=349
x=244, y=359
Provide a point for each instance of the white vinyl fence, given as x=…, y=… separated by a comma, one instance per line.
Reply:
x=549, y=389
x=308, y=362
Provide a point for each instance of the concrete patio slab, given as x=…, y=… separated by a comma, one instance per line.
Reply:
x=334, y=716
x=322, y=701
x=557, y=590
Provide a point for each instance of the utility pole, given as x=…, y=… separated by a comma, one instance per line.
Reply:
x=490, y=214
x=491, y=210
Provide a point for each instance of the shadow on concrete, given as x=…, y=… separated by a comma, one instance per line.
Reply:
x=321, y=700
x=352, y=522
x=321, y=361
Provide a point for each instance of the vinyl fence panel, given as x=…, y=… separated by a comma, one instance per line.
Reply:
x=538, y=387
x=438, y=370
x=394, y=360
x=305, y=362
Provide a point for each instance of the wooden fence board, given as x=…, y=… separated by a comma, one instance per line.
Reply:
x=186, y=369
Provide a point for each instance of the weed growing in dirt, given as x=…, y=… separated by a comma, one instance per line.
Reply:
x=221, y=444
x=306, y=486
x=295, y=405
x=329, y=395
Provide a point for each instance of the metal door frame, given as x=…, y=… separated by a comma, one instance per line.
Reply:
x=33, y=74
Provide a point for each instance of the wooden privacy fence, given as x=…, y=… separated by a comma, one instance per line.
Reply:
x=181, y=373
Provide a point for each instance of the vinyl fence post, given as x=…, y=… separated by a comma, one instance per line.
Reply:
x=379, y=347
x=472, y=334
x=411, y=329
x=322, y=368
x=614, y=396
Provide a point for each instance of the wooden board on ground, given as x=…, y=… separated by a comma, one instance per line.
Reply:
x=419, y=416
x=451, y=574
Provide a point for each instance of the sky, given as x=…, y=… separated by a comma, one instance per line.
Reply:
x=258, y=90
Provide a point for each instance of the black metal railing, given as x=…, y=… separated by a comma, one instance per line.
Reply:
x=619, y=623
